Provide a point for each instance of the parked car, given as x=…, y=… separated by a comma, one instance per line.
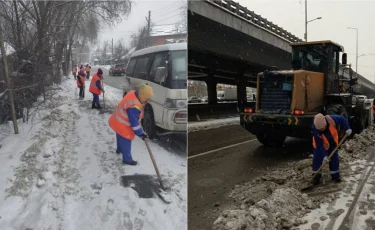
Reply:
x=204, y=99
x=118, y=69
x=194, y=99
x=164, y=68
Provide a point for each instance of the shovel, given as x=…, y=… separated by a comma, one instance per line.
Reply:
x=155, y=166
x=311, y=185
x=161, y=194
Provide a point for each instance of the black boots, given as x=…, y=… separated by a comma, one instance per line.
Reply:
x=93, y=106
x=131, y=163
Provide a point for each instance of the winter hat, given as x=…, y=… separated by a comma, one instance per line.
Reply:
x=320, y=121
x=100, y=71
x=145, y=90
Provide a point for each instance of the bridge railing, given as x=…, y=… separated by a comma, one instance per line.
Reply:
x=254, y=18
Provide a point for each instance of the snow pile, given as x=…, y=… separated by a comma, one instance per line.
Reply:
x=280, y=210
x=61, y=172
x=212, y=124
x=356, y=148
x=293, y=176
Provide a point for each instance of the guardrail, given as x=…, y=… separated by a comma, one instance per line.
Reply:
x=254, y=18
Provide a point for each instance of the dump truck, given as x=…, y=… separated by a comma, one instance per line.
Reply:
x=288, y=100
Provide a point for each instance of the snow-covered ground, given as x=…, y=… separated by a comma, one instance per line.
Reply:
x=212, y=124
x=274, y=201
x=61, y=172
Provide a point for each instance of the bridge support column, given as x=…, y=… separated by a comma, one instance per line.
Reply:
x=211, y=90
x=241, y=91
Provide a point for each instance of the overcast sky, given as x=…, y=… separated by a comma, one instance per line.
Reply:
x=162, y=12
x=336, y=15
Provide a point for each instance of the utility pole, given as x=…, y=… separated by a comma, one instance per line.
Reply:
x=10, y=91
x=112, y=53
x=305, y=20
x=356, y=53
x=148, y=26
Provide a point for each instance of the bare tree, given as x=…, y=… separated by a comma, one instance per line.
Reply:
x=120, y=49
x=43, y=34
x=197, y=88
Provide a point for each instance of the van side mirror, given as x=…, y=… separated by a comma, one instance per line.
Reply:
x=344, y=59
x=161, y=74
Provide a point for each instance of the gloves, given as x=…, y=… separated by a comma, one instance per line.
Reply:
x=349, y=131
x=143, y=136
x=325, y=159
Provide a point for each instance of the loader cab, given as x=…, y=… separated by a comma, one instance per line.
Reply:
x=320, y=56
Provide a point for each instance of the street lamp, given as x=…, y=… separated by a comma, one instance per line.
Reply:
x=309, y=20
x=356, y=60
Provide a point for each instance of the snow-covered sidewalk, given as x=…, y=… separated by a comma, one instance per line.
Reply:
x=61, y=172
x=212, y=124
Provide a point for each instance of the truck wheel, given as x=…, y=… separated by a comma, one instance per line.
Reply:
x=271, y=140
x=148, y=123
x=338, y=109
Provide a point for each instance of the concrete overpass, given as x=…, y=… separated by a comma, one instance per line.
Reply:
x=230, y=44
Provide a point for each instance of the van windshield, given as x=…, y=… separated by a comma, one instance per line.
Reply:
x=178, y=69
x=179, y=62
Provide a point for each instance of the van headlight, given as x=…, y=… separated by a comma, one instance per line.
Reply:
x=175, y=103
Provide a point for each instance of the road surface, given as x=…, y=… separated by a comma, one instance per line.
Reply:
x=114, y=81
x=212, y=174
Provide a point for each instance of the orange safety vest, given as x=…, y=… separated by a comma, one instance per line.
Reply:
x=119, y=120
x=332, y=130
x=373, y=109
x=87, y=69
x=82, y=79
x=93, y=88
x=74, y=70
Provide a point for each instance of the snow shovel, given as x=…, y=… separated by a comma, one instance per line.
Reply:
x=311, y=184
x=161, y=194
x=104, y=109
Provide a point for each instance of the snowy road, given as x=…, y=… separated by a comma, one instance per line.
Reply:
x=213, y=176
x=269, y=198
x=355, y=206
x=64, y=173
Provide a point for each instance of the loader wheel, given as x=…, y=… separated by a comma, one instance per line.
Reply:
x=271, y=140
x=338, y=109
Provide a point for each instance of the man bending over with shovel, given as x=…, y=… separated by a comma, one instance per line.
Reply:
x=126, y=121
x=325, y=139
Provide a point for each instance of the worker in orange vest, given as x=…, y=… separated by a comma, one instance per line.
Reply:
x=126, y=121
x=81, y=84
x=88, y=68
x=74, y=71
x=325, y=139
x=96, y=88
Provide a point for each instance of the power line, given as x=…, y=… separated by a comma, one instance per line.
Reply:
x=174, y=8
x=162, y=17
x=164, y=8
x=168, y=18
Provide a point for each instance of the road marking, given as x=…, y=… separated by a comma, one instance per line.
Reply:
x=222, y=148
